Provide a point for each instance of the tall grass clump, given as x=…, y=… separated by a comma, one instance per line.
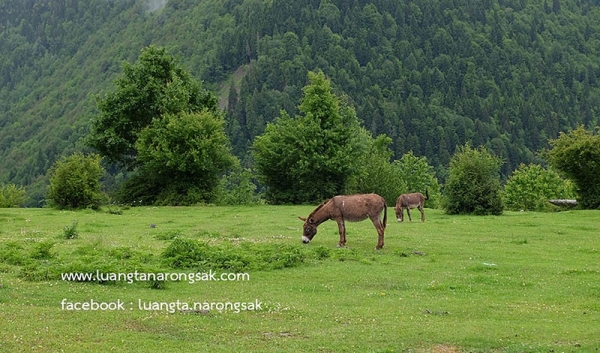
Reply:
x=71, y=231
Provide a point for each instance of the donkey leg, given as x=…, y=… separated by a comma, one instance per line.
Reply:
x=408, y=213
x=342, y=229
x=422, y=213
x=380, y=232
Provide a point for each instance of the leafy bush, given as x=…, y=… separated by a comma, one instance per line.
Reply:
x=12, y=196
x=473, y=184
x=531, y=186
x=577, y=155
x=75, y=182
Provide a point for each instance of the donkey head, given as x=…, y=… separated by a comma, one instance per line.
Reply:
x=310, y=229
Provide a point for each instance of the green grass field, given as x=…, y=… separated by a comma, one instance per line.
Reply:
x=520, y=282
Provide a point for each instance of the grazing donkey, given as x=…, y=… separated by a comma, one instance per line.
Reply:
x=352, y=208
x=408, y=201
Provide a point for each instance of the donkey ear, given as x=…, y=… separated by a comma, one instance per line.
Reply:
x=302, y=219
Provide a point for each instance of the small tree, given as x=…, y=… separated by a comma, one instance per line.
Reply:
x=473, y=184
x=12, y=196
x=161, y=124
x=75, y=182
x=313, y=156
x=531, y=186
x=577, y=155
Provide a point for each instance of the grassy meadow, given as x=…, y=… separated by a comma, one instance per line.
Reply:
x=520, y=282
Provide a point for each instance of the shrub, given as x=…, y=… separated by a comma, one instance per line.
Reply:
x=531, y=186
x=473, y=184
x=12, y=196
x=577, y=155
x=75, y=182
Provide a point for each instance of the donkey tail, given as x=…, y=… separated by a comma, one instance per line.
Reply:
x=384, y=214
x=426, y=194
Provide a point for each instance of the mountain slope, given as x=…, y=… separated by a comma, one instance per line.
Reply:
x=431, y=74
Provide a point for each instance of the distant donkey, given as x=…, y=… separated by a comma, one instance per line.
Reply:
x=408, y=201
x=352, y=208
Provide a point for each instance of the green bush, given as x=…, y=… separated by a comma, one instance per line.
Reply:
x=473, y=184
x=75, y=182
x=577, y=155
x=531, y=186
x=12, y=196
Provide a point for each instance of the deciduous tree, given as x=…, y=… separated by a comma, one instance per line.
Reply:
x=312, y=156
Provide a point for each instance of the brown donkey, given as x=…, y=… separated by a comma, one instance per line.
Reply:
x=352, y=208
x=408, y=201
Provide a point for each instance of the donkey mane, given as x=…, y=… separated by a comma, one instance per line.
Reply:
x=318, y=208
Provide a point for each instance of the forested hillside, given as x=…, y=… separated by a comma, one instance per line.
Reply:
x=430, y=74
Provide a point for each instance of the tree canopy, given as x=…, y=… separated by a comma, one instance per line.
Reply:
x=312, y=156
x=161, y=124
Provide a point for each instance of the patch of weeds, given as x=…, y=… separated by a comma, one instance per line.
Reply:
x=36, y=271
x=207, y=234
x=184, y=253
x=13, y=253
x=92, y=249
x=346, y=254
x=121, y=253
x=114, y=209
x=169, y=234
x=41, y=251
x=189, y=253
x=70, y=231
x=321, y=252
